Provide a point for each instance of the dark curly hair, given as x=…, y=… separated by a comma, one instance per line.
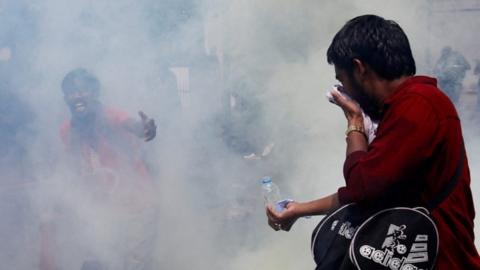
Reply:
x=80, y=79
x=379, y=43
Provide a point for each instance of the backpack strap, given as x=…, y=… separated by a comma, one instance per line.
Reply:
x=435, y=202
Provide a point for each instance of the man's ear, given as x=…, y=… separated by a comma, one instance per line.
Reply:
x=359, y=67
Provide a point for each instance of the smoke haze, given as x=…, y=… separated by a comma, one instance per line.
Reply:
x=223, y=80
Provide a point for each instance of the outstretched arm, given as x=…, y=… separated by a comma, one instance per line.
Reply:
x=145, y=128
x=294, y=210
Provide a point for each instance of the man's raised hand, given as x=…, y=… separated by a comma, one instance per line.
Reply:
x=149, y=127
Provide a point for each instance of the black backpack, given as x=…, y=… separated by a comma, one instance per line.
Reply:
x=332, y=237
x=398, y=238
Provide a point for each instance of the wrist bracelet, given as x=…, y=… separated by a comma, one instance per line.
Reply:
x=352, y=128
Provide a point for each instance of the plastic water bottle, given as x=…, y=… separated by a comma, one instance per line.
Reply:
x=271, y=193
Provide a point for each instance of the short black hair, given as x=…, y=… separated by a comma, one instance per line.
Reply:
x=379, y=43
x=80, y=79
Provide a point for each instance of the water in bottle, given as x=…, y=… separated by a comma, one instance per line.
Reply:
x=271, y=194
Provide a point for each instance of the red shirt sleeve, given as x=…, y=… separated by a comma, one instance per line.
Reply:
x=117, y=117
x=405, y=138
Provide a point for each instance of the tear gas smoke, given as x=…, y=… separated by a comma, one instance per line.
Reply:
x=226, y=81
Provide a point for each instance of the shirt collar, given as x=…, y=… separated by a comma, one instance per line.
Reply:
x=408, y=82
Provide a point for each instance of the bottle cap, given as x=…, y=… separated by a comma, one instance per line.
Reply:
x=266, y=179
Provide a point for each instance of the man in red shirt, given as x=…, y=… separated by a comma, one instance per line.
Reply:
x=418, y=141
x=103, y=150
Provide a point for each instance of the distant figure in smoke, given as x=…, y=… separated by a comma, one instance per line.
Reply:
x=241, y=124
x=16, y=180
x=14, y=120
x=97, y=133
x=450, y=70
x=103, y=147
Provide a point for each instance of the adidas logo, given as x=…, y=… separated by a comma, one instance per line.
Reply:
x=391, y=253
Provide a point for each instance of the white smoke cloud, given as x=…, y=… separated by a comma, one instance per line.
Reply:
x=267, y=57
